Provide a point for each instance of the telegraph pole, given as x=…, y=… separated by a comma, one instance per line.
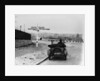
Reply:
x=24, y=27
x=20, y=27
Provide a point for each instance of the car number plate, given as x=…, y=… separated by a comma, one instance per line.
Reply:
x=57, y=53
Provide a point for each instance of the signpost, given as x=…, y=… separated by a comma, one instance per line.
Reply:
x=37, y=28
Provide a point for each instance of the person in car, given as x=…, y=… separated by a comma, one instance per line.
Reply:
x=60, y=43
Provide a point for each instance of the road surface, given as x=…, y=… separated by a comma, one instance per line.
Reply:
x=70, y=61
x=74, y=53
x=74, y=56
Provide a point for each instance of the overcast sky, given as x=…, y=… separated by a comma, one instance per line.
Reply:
x=58, y=23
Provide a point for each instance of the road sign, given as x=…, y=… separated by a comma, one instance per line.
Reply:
x=32, y=28
x=43, y=28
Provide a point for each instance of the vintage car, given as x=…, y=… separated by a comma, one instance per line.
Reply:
x=57, y=51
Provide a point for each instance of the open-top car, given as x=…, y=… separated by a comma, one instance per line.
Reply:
x=57, y=51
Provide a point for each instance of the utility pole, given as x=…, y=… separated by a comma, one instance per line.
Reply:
x=24, y=27
x=20, y=27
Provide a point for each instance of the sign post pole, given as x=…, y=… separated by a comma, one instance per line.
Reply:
x=37, y=38
x=38, y=29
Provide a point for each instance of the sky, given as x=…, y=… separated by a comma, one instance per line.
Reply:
x=57, y=23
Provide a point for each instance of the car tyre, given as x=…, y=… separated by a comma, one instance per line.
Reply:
x=49, y=58
x=65, y=58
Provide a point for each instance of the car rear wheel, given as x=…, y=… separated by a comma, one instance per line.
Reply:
x=65, y=58
x=50, y=58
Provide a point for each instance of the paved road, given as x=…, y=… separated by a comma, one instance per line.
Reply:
x=74, y=57
x=55, y=62
x=74, y=51
x=69, y=61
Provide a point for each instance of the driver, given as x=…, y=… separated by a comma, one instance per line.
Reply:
x=60, y=43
